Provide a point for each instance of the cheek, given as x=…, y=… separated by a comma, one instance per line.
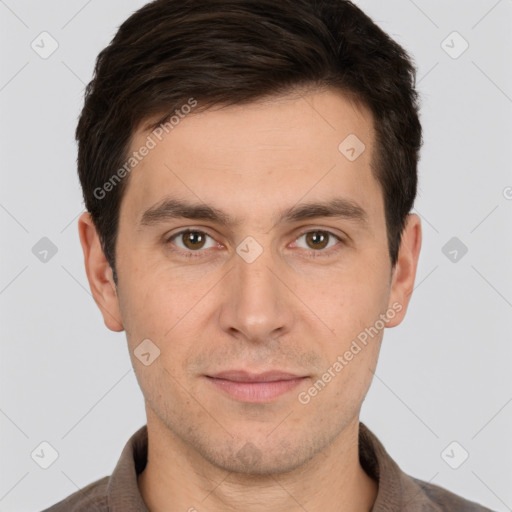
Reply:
x=147, y=291
x=348, y=300
x=165, y=311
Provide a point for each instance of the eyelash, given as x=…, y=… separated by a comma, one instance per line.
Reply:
x=319, y=253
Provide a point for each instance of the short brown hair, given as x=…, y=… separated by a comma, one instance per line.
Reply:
x=238, y=51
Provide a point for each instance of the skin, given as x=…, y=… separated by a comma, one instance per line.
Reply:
x=287, y=310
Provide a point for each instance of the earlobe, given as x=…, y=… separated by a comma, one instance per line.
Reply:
x=404, y=273
x=99, y=274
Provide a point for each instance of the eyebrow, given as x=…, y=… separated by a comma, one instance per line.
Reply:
x=172, y=208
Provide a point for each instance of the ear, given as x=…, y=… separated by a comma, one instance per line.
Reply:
x=404, y=273
x=99, y=274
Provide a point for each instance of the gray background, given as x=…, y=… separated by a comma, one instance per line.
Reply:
x=443, y=375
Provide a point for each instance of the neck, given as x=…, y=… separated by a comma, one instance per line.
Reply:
x=178, y=479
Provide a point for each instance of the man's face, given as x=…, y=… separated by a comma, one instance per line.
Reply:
x=260, y=293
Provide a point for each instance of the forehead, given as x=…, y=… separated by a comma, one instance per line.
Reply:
x=259, y=157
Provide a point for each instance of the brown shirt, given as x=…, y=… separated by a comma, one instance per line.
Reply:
x=397, y=491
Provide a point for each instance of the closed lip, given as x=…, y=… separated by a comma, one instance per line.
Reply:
x=244, y=376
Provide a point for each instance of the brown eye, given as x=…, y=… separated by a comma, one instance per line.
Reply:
x=317, y=239
x=193, y=239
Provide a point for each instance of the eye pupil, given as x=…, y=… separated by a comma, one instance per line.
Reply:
x=319, y=239
x=193, y=239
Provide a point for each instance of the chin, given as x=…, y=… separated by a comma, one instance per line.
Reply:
x=245, y=457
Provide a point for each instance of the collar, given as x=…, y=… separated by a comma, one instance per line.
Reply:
x=397, y=491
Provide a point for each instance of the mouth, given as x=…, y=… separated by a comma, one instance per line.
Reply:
x=255, y=387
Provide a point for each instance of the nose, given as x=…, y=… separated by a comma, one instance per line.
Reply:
x=256, y=305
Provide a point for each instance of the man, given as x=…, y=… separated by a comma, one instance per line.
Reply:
x=248, y=169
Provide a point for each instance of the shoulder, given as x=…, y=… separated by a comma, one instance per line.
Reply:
x=399, y=491
x=92, y=498
x=443, y=500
